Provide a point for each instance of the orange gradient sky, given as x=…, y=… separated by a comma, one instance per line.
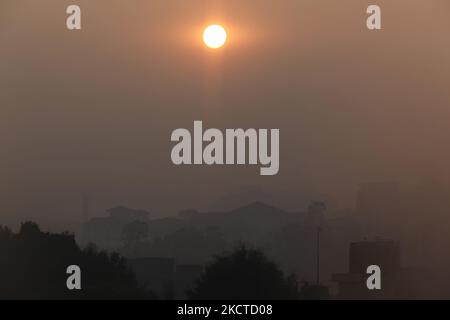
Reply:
x=91, y=111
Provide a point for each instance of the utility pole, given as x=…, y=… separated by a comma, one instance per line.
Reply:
x=318, y=256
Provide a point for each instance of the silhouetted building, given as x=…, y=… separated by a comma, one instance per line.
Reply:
x=105, y=232
x=397, y=282
x=185, y=277
x=156, y=274
x=163, y=277
x=314, y=292
x=383, y=253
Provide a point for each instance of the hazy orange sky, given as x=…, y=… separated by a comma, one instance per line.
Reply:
x=92, y=111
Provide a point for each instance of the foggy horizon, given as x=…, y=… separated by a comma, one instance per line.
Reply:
x=92, y=112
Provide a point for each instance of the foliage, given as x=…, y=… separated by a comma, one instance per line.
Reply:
x=244, y=274
x=33, y=265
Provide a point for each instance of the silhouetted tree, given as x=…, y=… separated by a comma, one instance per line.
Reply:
x=244, y=274
x=33, y=265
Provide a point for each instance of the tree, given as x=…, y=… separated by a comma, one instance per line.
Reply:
x=243, y=274
x=33, y=265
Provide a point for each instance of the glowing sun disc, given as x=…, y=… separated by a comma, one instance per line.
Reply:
x=214, y=36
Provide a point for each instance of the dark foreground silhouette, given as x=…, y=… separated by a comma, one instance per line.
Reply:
x=33, y=265
x=244, y=274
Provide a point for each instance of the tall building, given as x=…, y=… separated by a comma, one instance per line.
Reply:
x=396, y=282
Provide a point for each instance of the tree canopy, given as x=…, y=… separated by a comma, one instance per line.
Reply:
x=244, y=274
x=33, y=265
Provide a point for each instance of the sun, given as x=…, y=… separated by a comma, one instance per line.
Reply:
x=214, y=36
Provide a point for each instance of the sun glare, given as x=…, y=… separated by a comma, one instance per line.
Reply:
x=214, y=36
